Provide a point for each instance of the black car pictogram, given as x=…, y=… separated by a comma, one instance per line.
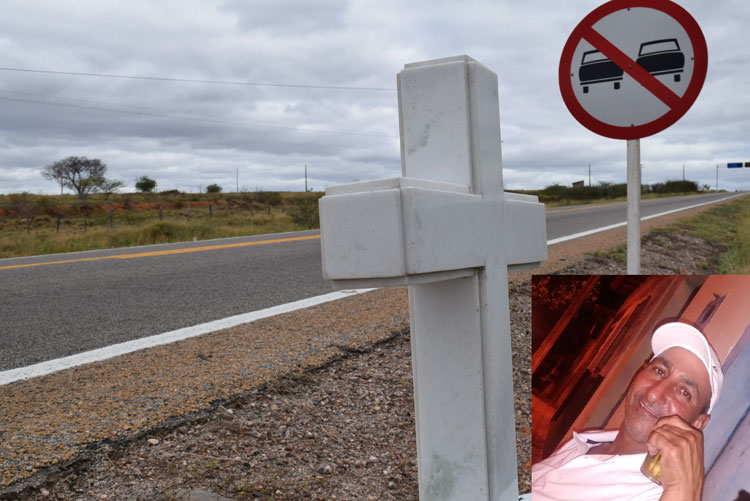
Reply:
x=658, y=57
x=662, y=57
x=597, y=68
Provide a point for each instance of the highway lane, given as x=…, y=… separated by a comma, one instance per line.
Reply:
x=59, y=305
x=563, y=221
x=57, y=310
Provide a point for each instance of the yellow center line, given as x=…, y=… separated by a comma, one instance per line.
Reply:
x=165, y=252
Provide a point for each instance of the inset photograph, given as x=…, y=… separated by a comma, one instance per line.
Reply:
x=639, y=386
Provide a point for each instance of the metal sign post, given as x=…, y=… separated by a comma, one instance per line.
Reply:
x=634, y=206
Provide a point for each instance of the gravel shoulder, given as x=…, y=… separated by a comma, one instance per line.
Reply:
x=314, y=404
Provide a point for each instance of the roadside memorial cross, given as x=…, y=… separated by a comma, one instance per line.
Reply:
x=447, y=230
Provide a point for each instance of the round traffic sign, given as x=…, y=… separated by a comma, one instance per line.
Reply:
x=632, y=68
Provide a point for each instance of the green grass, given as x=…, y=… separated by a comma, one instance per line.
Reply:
x=727, y=225
x=736, y=261
x=617, y=254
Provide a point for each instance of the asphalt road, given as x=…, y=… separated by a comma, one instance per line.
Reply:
x=55, y=310
x=563, y=221
x=92, y=300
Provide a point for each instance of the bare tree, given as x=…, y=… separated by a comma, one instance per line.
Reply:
x=81, y=174
x=109, y=186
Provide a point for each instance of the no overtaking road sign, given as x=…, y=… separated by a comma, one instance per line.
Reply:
x=632, y=68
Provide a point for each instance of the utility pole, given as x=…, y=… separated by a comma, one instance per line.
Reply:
x=238, y=180
x=305, y=178
x=589, y=175
x=683, y=173
x=717, y=177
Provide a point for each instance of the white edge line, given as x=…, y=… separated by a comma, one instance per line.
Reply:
x=87, y=357
x=617, y=225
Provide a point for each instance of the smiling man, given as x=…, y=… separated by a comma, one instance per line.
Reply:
x=667, y=405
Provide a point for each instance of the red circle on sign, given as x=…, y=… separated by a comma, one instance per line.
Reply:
x=677, y=108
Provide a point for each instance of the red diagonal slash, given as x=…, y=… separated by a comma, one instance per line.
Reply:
x=635, y=70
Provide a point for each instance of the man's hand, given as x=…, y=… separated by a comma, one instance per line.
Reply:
x=681, y=448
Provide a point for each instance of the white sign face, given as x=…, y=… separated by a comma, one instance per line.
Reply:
x=630, y=71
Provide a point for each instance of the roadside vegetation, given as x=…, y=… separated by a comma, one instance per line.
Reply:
x=41, y=224
x=727, y=225
x=557, y=195
x=46, y=224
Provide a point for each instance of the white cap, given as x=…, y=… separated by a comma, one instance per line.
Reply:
x=678, y=334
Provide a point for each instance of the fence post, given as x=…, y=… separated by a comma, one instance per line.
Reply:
x=111, y=218
x=58, y=223
x=210, y=210
x=188, y=214
x=161, y=214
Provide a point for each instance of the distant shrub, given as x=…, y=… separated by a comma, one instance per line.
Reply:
x=617, y=190
x=557, y=192
x=674, y=187
x=272, y=198
x=305, y=215
x=213, y=188
x=554, y=191
x=145, y=184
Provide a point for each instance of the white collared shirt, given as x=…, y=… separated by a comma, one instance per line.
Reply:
x=571, y=474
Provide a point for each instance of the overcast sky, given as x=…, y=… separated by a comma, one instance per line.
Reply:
x=187, y=135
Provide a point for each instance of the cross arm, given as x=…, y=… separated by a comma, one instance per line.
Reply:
x=528, y=245
x=407, y=231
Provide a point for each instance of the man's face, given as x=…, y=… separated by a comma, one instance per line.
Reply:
x=674, y=383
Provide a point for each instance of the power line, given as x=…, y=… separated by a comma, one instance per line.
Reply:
x=150, y=112
x=187, y=80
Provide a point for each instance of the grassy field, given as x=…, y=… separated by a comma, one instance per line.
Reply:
x=727, y=224
x=33, y=225
x=29, y=223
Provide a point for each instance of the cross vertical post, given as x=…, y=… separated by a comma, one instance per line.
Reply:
x=447, y=230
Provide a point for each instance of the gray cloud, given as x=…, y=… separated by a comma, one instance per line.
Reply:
x=188, y=135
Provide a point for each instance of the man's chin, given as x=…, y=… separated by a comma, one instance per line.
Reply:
x=639, y=429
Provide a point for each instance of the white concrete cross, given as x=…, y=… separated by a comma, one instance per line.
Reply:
x=448, y=231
